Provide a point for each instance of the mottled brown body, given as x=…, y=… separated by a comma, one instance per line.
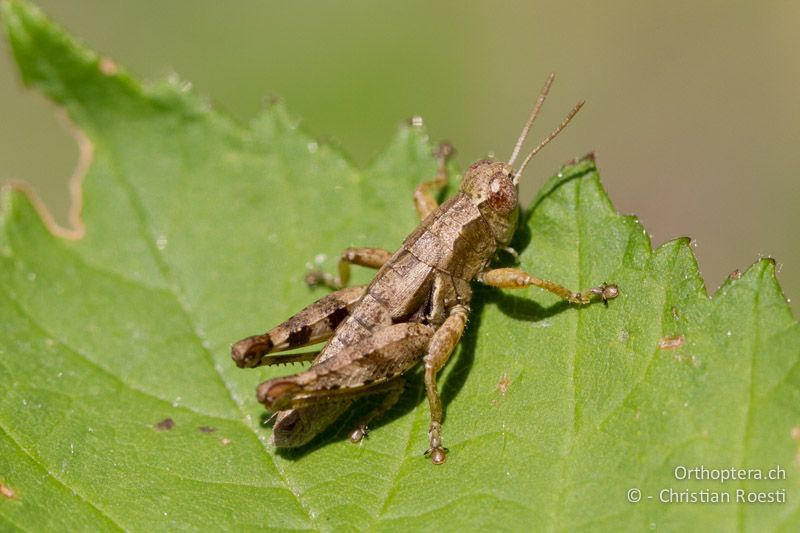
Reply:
x=415, y=309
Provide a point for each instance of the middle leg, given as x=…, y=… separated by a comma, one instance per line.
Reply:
x=442, y=345
x=394, y=388
x=365, y=256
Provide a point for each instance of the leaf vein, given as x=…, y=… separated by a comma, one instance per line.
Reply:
x=183, y=303
x=54, y=477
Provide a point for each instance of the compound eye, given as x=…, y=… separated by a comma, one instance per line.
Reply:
x=502, y=193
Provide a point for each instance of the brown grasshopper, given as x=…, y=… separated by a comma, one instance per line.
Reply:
x=415, y=309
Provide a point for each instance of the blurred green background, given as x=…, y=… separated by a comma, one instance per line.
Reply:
x=692, y=107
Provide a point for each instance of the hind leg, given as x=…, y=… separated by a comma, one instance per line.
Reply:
x=314, y=324
x=394, y=390
x=297, y=427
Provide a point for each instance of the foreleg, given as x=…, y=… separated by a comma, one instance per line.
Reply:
x=512, y=278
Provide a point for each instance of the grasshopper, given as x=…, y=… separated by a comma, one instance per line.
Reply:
x=415, y=309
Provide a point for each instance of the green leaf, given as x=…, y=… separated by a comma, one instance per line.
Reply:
x=198, y=232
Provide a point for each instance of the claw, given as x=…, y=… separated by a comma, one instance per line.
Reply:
x=314, y=278
x=359, y=434
x=317, y=278
x=437, y=455
x=606, y=291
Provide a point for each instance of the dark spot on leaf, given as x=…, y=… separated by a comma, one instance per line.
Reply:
x=108, y=66
x=503, y=384
x=165, y=425
x=796, y=436
x=670, y=343
x=7, y=491
x=206, y=429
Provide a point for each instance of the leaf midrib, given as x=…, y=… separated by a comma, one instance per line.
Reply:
x=740, y=509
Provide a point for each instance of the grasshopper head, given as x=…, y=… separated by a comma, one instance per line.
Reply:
x=491, y=186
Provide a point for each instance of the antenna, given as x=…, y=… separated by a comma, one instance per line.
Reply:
x=532, y=117
x=547, y=139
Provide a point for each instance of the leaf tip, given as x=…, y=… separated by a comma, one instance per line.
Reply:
x=761, y=268
x=12, y=10
x=24, y=24
x=589, y=158
x=51, y=60
x=579, y=168
x=767, y=270
x=414, y=131
x=761, y=277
